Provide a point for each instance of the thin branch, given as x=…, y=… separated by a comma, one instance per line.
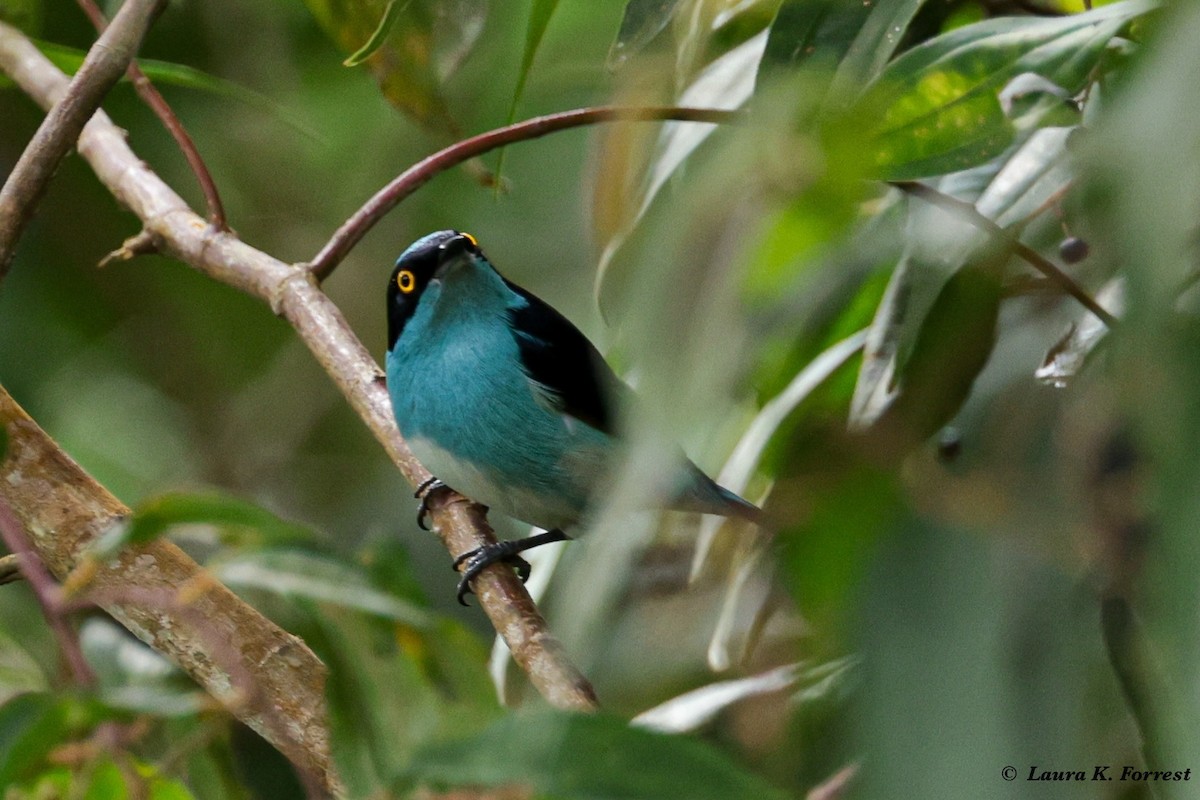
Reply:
x=64, y=511
x=158, y=104
x=48, y=594
x=293, y=294
x=74, y=104
x=356, y=227
x=1043, y=265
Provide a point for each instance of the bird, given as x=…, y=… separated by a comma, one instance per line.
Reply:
x=506, y=402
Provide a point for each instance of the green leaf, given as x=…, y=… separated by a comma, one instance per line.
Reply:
x=19, y=671
x=381, y=707
x=943, y=112
x=390, y=15
x=539, y=19
x=856, y=38
x=152, y=518
x=953, y=345
x=31, y=725
x=587, y=756
x=813, y=31
x=167, y=73
x=643, y=21
x=291, y=573
x=421, y=42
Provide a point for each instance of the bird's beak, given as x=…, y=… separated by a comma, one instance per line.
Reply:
x=452, y=254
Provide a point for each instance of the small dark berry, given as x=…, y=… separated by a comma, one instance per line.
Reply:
x=1073, y=249
x=949, y=445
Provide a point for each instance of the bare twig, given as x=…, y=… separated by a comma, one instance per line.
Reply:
x=63, y=511
x=355, y=228
x=1043, y=265
x=48, y=595
x=73, y=103
x=292, y=293
x=158, y=104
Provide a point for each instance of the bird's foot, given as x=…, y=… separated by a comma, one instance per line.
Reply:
x=475, y=561
x=423, y=493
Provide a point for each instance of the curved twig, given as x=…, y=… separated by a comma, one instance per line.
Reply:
x=293, y=294
x=158, y=104
x=73, y=103
x=1035, y=259
x=355, y=228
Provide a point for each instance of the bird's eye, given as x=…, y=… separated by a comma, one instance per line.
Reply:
x=406, y=281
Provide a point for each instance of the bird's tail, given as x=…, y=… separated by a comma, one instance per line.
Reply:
x=706, y=496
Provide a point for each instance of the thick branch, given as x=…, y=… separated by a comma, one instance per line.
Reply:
x=354, y=229
x=103, y=67
x=63, y=510
x=292, y=293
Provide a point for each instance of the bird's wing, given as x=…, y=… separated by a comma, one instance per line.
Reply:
x=570, y=373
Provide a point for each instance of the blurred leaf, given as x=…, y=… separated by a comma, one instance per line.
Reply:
x=855, y=38
x=167, y=73
x=103, y=780
x=1010, y=191
x=643, y=21
x=726, y=83
x=424, y=43
x=1026, y=85
x=19, y=671
x=390, y=15
x=3, y=441
x=953, y=344
x=31, y=725
x=844, y=504
x=743, y=462
x=25, y=15
x=391, y=689
x=1069, y=354
x=539, y=18
x=293, y=574
x=1031, y=178
x=134, y=677
x=586, y=756
x=691, y=710
x=152, y=518
x=943, y=110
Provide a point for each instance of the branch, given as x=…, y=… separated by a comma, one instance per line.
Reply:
x=356, y=227
x=292, y=293
x=63, y=511
x=1043, y=265
x=73, y=103
x=158, y=104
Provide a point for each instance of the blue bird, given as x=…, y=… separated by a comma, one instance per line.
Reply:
x=506, y=402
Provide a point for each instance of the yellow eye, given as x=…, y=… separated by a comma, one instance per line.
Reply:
x=406, y=281
x=474, y=242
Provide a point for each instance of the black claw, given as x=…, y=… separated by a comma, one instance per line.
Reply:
x=475, y=561
x=423, y=492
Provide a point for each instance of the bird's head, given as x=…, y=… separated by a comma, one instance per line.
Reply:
x=427, y=261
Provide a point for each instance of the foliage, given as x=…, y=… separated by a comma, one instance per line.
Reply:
x=945, y=521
